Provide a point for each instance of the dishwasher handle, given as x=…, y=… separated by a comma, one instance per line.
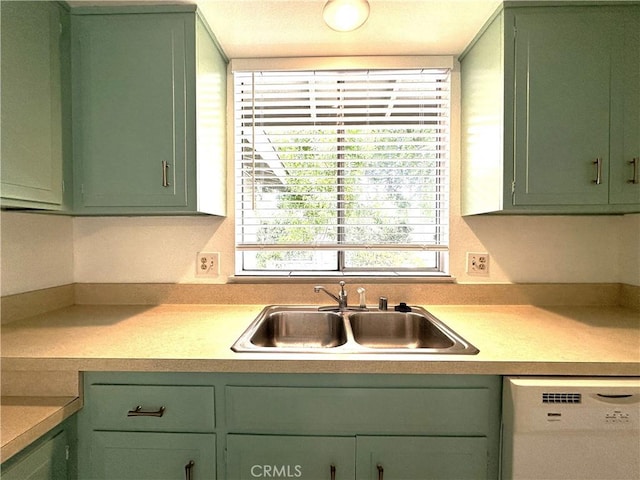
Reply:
x=618, y=398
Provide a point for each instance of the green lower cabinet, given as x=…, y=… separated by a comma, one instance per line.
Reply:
x=349, y=411
x=360, y=458
x=151, y=426
x=46, y=461
x=411, y=458
x=271, y=456
x=152, y=456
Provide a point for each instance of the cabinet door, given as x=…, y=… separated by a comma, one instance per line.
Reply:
x=152, y=456
x=562, y=95
x=47, y=461
x=270, y=456
x=31, y=105
x=129, y=111
x=411, y=458
x=624, y=183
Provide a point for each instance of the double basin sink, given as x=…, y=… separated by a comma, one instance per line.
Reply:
x=303, y=329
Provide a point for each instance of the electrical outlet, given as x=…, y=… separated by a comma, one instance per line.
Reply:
x=208, y=264
x=477, y=263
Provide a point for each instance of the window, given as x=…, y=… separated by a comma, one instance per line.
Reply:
x=342, y=171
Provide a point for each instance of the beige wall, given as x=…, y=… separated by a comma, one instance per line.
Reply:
x=40, y=251
x=522, y=249
x=149, y=249
x=629, y=258
x=36, y=251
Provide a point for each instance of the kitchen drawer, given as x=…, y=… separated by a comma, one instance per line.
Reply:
x=434, y=411
x=184, y=408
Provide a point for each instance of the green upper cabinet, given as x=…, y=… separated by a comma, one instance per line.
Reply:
x=550, y=112
x=562, y=92
x=624, y=181
x=149, y=104
x=34, y=59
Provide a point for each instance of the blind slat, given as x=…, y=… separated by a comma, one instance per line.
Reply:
x=325, y=158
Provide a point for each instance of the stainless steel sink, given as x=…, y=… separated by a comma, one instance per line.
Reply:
x=300, y=329
x=307, y=329
x=397, y=330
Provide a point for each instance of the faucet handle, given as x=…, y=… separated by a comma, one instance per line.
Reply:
x=363, y=299
x=382, y=304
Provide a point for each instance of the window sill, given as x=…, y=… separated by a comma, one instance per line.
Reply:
x=370, y=278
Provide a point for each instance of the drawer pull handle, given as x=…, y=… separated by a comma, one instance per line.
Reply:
x=598, y=163
x=333, y=472
x=138, y=412
x=380, y=472
x=188, y=470
x=165, y=173
x=634, y=178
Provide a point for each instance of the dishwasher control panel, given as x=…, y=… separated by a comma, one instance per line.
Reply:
x=617, y=416
x=580, y=405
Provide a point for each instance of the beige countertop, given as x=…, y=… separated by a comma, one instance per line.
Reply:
x=513, y=340
x=25, y=419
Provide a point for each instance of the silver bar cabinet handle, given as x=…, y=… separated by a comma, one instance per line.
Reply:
x=333, y=472
x=634, y=178
x=188, y=470
x=598, y=163
x=138, y=412
x=165, y=173
x=380, y=472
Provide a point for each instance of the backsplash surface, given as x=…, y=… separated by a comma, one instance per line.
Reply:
x=40, y=251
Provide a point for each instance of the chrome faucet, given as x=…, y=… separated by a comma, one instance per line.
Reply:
x=341, y=298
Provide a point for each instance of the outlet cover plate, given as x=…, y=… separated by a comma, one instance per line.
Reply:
x=478, y=263
x=208, y=264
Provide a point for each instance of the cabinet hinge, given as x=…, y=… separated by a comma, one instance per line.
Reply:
x=67, y=455
x=513, y=187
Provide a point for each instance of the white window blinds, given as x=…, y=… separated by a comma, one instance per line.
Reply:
x=341, y=161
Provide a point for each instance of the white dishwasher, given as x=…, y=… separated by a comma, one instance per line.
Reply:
x=571, y=428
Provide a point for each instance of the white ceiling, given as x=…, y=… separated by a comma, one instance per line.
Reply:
x=293, y=28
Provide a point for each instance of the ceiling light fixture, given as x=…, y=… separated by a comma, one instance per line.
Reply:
x=345, y=15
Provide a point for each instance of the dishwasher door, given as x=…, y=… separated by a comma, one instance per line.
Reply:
x=571, y=428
